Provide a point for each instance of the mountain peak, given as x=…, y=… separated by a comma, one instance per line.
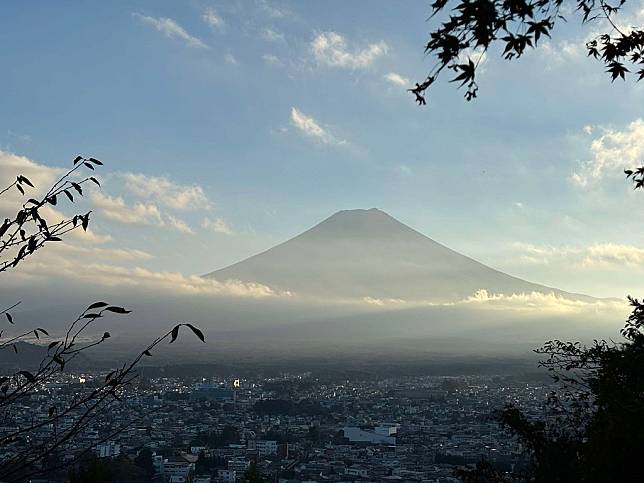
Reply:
x=359, y=223
x=363, y=253
x=359, y=212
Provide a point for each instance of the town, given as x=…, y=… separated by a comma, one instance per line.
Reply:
x=295, y=427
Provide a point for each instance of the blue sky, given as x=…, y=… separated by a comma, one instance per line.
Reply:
x=274, y=115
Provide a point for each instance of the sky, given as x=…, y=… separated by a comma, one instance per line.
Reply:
x=228, y=127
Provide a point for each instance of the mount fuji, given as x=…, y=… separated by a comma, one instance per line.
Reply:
x=358, y=254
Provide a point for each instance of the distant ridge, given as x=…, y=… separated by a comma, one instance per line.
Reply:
x=368, y=253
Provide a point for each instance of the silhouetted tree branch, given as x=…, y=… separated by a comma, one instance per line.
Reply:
x=470, y=28
x=592, y=430
x=26, y=447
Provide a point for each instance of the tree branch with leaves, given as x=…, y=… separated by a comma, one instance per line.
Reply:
x=27, y=447
x=475, y=26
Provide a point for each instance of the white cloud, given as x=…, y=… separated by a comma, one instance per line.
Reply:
x=310, y=127
x=307, y=124
x=560, y=53
x=541, y=302
x=99, y=273
x=212, y=19
x=116, y=209
x=397, y=79
x=171, y=29
x=271, y=35
x=230, y=59
x=179, y=225
x=271, y=59
x=218, y=225
x=611, y=152
x=330, y=49
x=166, y=192
x=273, y=11
x=95, y=253
x=382, y=302
x=611, y=253
x=533, y=302
x=404, y=170
x=597, y=255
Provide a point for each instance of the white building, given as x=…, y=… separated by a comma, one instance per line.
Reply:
x=108, y=449
x=264, y=447
x=387, y=429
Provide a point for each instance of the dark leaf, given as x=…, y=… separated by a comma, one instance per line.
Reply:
x=31, y=246
x=97, y=305
x=78, y=188
x=96, y=161
x=147, y=353
x=78, y=158
x=89, y=165
x=60, y=361
x=53, y=344
x=9, y=317
x=174, y=334
x=106, y=335
x=92, y=315
x=197, y=332
x=117, y=310
x=5, y=226
x=23, y=179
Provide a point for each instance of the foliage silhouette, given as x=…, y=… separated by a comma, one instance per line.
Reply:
x=469, y=28
x=592, y=430
x=252, y=475
x=25, y=452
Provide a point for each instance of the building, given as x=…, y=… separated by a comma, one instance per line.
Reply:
x=264, y=447
x=239, y=465
x=108, y=449
x=226, y=476
x=387, y=429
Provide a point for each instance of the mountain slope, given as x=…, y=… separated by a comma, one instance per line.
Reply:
x=367, y=253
